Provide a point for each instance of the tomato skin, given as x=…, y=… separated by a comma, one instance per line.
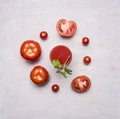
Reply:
x=43, y=35
x=66, y=28
x=85, y=41
x=39, y=75
x=55, y=88
x=81, y=84
x=87, y=59
x=30, y=50
x=61, y=53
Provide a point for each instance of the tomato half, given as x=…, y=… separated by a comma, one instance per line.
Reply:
x=66, y=28
x=81, y=84
x=39, y=75
x=30, y=50
x=61, y=53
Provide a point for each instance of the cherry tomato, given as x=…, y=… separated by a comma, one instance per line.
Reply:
x=61, y=53
x=81, y=84
x=43, y=35
x=87, y=59
x=39, y=75
x=66, y=28
x=30, y=50
x=85, y=41
x=55, y=87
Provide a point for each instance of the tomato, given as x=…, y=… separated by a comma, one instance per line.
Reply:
x=87, y=59
x=55, y=87
x=30, y=50
x=43, y=35
x=81, y=84
x=66, y=28
x=85, y=41
x=39, y=75
x=62, y=54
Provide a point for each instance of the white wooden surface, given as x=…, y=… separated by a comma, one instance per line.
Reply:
x=24, y=19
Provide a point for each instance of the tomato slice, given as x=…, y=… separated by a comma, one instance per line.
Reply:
x=66, y=28
x=81, y=84
x=61, y=53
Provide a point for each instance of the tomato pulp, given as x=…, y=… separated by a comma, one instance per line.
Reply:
x=61, y=53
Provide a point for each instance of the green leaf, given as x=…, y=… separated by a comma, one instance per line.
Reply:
x=61, y=68
x=69, y=71
x=63, y=73
x=56, y=63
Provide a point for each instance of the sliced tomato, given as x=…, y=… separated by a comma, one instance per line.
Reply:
x=66, y=28
x=81, y=84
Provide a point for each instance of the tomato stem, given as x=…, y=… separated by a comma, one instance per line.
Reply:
x=62, y=69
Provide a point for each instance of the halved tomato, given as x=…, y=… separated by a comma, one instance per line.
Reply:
x=66, y=28
x=81, y=84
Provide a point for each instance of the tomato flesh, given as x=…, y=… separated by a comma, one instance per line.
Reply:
x=61, y=53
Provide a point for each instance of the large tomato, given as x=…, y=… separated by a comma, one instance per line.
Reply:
x=39, y=75
x=66, y=28
x=30, y=50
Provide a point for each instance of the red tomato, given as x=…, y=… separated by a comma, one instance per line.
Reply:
x=66, y=28
x=62, y=54
x=85, y=41
x=87, y=59
x=30, y=50
x=55, y=87
x=43, y=35
x=81, y=84
x=39, y=75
